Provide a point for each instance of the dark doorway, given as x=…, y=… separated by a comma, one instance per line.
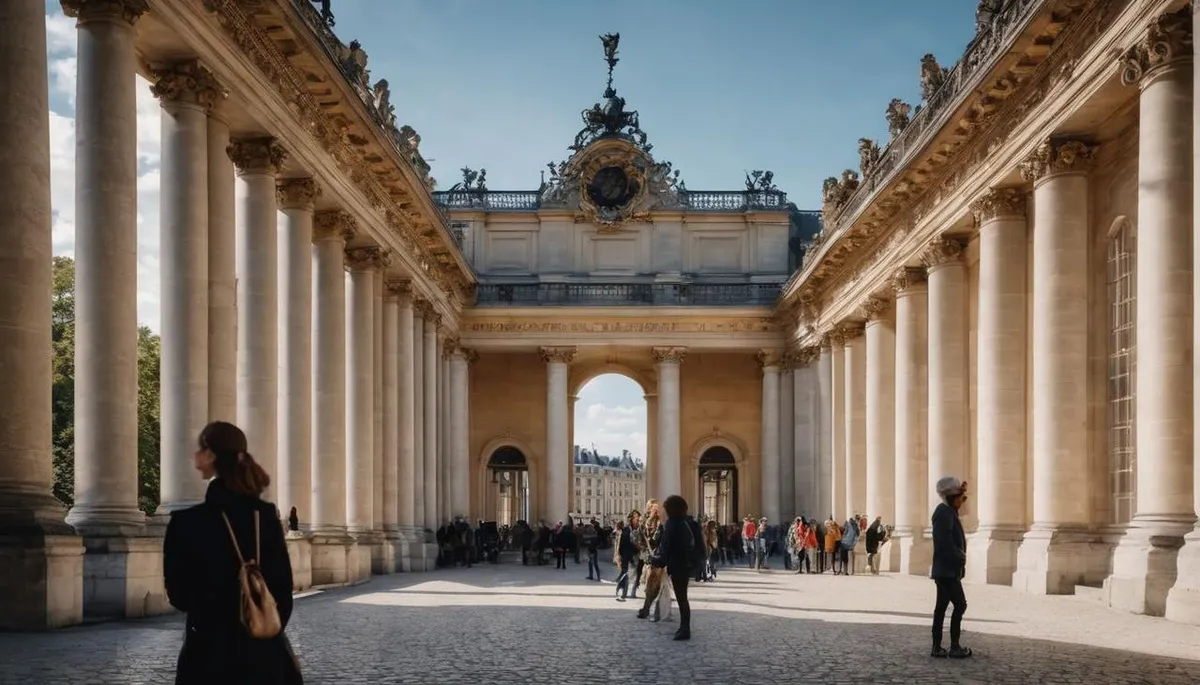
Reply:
x=508, y=486
x=718, y=485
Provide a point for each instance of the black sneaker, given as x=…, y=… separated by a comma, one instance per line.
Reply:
x=959, y=652
x=939, y=652
x=643, y=614
x=683, y=634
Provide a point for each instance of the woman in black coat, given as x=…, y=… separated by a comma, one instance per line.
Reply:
x=201, y=569
x=674, y=553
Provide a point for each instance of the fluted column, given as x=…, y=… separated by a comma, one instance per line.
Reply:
x=222, y=270
x=458, y=431
x=391, y=406
x=420, y=307
x=806, y=432
x=406, y=398
x=431, y=359
x=769, y=472
x=258, y=161
x=667, y=361
x=823, y=413
x=377, y=466
x=558, y=448
x=881, y=419
x=787, y=437
x=296, y=197
x=1057, y=553
x=187, y=92
x=331, y=230
x=364, y=264
x=911, y=428
x=106, y=487
x=41, y=571
x=1002, y=335
x=837, y=410
x=855, y=414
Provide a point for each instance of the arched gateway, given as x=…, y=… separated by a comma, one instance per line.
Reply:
x=507, y=499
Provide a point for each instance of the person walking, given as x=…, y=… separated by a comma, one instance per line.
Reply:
x=850, y=534
x=591, y=541
x=833, y=544
x=676, y=549
x=949, y=566
x=874, y=538
x=203, y=554
x=626, y=554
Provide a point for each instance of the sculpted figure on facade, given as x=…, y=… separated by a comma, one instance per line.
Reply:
x=353, y=60
x=1167, y=40
x=985, y=12
x=868, y=156
x=758, y=181
x=382, y=99
x=933, y=75
x=897, y=116
x=836, y=192
x=1057, y=156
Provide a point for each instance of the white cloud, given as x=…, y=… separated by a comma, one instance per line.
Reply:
x=611, y=429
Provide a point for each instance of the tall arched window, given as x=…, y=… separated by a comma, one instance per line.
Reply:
x=1122, y=369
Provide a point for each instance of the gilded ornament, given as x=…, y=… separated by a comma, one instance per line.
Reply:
x=998, y=202
x=1167, y=40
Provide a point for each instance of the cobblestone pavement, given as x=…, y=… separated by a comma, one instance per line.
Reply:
x=510, y=624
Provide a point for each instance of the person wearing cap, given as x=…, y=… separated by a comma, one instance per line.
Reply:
x=949, y=566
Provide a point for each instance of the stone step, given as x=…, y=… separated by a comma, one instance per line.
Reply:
x=1091, y=594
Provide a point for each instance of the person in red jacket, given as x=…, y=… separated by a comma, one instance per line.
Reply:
x=749, y=529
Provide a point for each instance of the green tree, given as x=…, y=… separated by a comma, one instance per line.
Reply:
x=63, y=397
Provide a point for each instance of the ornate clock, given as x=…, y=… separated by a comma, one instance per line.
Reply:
x=611, y=187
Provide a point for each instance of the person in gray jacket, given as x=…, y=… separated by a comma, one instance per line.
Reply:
x=949, y=566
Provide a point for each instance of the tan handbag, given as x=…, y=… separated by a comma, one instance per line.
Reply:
x=259, y=614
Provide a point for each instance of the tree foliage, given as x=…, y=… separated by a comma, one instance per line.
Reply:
x=63, y=340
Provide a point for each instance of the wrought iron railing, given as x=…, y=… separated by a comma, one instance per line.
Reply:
x=626, y=294
x=692, y=200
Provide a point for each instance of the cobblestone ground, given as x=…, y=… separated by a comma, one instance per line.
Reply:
x=511, y=624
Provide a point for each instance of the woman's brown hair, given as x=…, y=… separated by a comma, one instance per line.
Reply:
x=234, y=466
x=675, y=506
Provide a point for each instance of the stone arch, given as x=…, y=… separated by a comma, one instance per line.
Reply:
x=746, y=480
x=1120, y=224
x=585, y=372
x=533, y=463
x=718, y=439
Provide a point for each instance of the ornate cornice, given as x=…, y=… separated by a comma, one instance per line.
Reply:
x=558, y=355
x=769, y=359
x=995, y=203
x=805, y=356
x=371, y=258
x=1057, y=157
x=257, y=155
x=668, y=355
x=92, y=10
x=187, y=82
x=874, y=308
x=1167, y=40
x=333, y=225
x=942, y=251
x=904, y=278
x=296, y=193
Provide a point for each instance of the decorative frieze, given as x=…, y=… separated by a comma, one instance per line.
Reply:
x=998, y=202
x=297, y=193
x=668, y=355
x=333, y=225
x=1167, y=40
x=92, y=10
x=371, y=258
x=874, y=308
x=942, y=250
x=257, y=155
x=629, y=327
x=187, y=82
x=559, y=355
x=906, y=277
x=1057, y=157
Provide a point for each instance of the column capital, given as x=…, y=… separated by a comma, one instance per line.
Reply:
x=560, y=355
x=769, y=359
x=874, y=309
x=851, y=330
x=668, y=355
x=398, y=288
x=904, y=279
x=996, y=203
x=1057, y=156
x=942, y=251
x=371, y=258
x=1167, y=41
x=423, y=308
x=257, y=155
x=333, y=225
x=804, y=357
x=92, y=10
x=297, y=193
x=188, y=83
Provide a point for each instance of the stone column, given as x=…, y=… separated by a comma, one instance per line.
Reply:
x=377, y=468
x=331, y=230
x=667, y=361
x=855, y=414
x=1002, y=335
x=1058, y=551
x=787, y=437
x=431, y=359
x=445, y=508
x=1183, y=600
x=837, y=411
x=222, y=271
x=186, y=91
x=558, y=449
x=257, y=161
x=651, y=472
x=364, y=264
x=420, y=307
x=391, y=408
x=106, y=487
x=769, y=472
x=806, y=432
x=458, y=432
x=1144, y=563
x=881, y=420
x=296, y=198
x=40, y=572
x=406, y=420
x=911, y=428
x=823, y=413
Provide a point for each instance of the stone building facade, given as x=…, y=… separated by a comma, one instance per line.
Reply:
x=606, y=488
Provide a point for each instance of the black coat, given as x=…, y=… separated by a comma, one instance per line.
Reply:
x=201, y=573
x=625, y=547
x=949, y=544
x=673, y=547
x=875, y=533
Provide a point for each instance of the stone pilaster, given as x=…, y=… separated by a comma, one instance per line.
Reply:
x=1059, y=551
x=769, y=361
x=558, y=448
x=881, y=419
x=911, y=427
x=1002, y=335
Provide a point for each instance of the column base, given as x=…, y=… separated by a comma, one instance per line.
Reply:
x=330, y=555
x=123, y=577
x=429, y=556
x=1052, y=561
x=889, y=557
x=41, y=578
x=299, y=546
x=359, y=558
x=916, y=554
x=1183, y=600
x=992, y=555
x=1144, y=565
x=388, y=546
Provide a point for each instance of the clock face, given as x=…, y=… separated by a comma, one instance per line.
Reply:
x=611, y=188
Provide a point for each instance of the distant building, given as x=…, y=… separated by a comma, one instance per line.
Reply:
x=607, y=488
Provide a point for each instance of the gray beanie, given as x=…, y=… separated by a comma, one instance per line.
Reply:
x=949, y=486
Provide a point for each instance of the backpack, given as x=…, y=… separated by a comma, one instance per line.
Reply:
x=259, y=614
x=697, y=551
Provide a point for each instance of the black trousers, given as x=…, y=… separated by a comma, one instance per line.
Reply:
x=679, y=585
x=949, y=591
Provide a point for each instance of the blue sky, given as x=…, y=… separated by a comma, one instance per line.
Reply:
x=722, y=88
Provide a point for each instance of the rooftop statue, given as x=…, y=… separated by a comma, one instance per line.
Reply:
x=326, y=13
x=933, y=75
x=610, y=118
x=760, y=182
x=985, y=12
x=471, y=181
x=897, y=116
x=868, y=156
x=382, y=99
